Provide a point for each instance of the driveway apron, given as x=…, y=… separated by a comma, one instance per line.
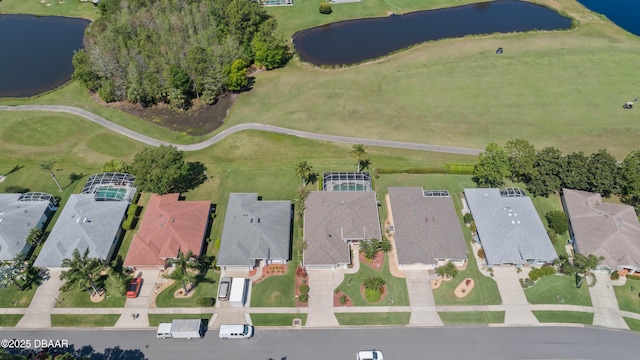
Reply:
x=423, y=305
x=606, y=311
x=516, y=306
x=321, y=285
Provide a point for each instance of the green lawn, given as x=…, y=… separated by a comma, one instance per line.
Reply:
x=79, y=298
x=97, y=320
x=396, y=287
x=10, y=320
x=155, y=319
x=634, y=324
x=477, y=317
x=206, y=289
x=72, y=8
x=275, y=291
x=277, y=319
x=556, y=289
x=11, y=297
x=543, y=205
x=389, y=318
x=573, y=317
x=629, y=300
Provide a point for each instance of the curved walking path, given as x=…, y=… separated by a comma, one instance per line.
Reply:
x=237, y=128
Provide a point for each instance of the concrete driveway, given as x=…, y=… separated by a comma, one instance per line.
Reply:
x=423, y=305
x=606, y=311
x=141, y=304
x=321, y=285
x=516, y=307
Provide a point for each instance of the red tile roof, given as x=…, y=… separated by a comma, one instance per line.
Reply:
x=168, y=226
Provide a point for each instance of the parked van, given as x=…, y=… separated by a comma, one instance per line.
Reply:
x=224, y=288
x=235, y=331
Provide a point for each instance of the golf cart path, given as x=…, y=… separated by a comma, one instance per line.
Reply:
x=237, y=128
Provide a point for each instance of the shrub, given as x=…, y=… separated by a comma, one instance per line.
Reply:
x=385, y=245
x=460, y=169
x=552, y=236
x=343, y=300
x=205, y=301
x=136, y=197
x=615, y=275
x=325, y=8
x=372, y=295
x=15, y=189
x=468, y=218
x=370, y=248
x=374, y=283
x=301, y=272
x=481, y=253
x=304, y=289
x=132, y=210
x=447, y=270
x=634, y=276
x=129, y=223
x=303, y=298
x=473, y=227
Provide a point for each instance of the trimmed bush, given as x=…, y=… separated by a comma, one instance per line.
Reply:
x=468, y=218
x=325, y=8
x=460, y=169
x=132, y=210
x=129, y=222
x=205, y=301
x=303, y=298
x=552, y=236
x=558, y=221
x=304, y=289
x=425, y=170
x=634, y=276
x=15, y=189
x=481, y=253
x=473, y=227
x=615, y=275
x=372, y=296
x=136, y=197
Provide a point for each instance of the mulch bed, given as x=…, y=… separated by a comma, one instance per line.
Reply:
x=336, y=299
x=301, y=280
x=376, y=263
x=271, y=270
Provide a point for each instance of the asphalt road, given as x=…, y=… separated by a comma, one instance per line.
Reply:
x=396, y=343
x=234, y=129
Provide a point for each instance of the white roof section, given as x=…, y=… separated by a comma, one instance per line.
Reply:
x=509, y=227
x=18, y=215
x=83, y=224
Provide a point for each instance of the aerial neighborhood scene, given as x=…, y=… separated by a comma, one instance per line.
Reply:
x=322, y=179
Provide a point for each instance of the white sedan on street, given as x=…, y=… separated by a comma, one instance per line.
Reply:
x=369, y=355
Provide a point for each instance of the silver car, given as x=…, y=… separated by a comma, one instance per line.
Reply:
x=370, y=355
x=224, y=288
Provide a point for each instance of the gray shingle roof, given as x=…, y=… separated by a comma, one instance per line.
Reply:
x=17, y=218
x=255, y=230
x=84, y=223
x=426, y=228
x=333, y=218
x=509, y=228
x=603, y=229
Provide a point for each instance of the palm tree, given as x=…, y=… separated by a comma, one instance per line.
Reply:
x=34, y=237
x=447, y=270
x=304, y=170
x=48, y=166
x=12, y=271
x=359, y=154
x=369, y=248
x=374, y=283
x=183, y=264
x=81, y=270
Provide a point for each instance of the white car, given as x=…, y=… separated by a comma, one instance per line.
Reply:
x=369, y=355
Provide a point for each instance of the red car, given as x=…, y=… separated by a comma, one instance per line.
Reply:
x=134, y=288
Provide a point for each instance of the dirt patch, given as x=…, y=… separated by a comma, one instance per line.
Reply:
x=179, y=294
x=376, y=263
x=97, y=297
x=200, y=119
x=336, y=299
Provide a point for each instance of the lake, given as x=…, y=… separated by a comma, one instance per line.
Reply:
x=624, y=13
x=354, y=41
x=36, y=52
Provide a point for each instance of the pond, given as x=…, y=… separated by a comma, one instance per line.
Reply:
x=354, y=41
x=624, y=13
x=36, y=52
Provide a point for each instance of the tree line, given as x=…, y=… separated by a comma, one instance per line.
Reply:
x=173, y=51
x=547, y=171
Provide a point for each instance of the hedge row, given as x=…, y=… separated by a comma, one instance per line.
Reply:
x=460, y=169
x=129, y=223
x=132, y=210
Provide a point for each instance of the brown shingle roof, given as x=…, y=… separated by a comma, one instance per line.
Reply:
x=168, y=226
x=604, y=229
x=333, y=218
x=426, y=228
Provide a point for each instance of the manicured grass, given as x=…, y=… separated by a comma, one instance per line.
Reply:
x=629, y=300
x=128, y=237
x=73, y=8
x=396, y=287
x=97, y=320
x=477, y=317
x=11, y=297
x=634, y=324
x=275, y=291
x=277, y=319
x=79, y=298
x=206, y=288
x=155, y=319
x=543, y=205
x=389, y=318
x=10, y=320
x=574, y=317
x=557, y=289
